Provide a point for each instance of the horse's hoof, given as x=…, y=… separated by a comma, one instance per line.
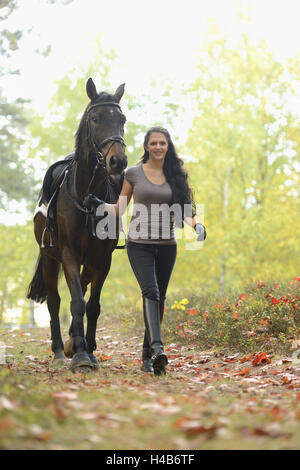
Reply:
x=81, y=361
x=94, y=361
x=83, y=370
x=59, y=359
x=68, y=348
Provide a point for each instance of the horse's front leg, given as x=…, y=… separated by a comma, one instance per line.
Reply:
x=72, y=273
x=85, y=279
x=93, y=309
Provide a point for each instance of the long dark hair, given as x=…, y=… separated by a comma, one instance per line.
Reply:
x=175, y=174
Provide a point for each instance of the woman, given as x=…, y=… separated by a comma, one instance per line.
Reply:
x=162, y=196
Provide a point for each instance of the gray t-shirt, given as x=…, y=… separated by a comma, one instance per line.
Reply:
x=151, y=221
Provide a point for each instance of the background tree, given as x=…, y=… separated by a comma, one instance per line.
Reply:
x=17, y=249
x=245, y=143
x=15, y=178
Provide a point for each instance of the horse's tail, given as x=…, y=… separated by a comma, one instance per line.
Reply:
x=37, y=289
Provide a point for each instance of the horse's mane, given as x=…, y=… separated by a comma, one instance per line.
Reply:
x=81, y=135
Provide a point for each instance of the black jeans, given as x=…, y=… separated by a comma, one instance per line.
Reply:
x=152, y=265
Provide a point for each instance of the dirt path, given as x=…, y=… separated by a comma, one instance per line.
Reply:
x=207, y=400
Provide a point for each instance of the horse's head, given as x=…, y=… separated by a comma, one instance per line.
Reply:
x=105, y=128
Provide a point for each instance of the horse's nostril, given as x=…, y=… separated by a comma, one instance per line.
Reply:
x=117, y=164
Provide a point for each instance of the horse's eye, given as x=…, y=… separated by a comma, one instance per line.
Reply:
x=95, y=119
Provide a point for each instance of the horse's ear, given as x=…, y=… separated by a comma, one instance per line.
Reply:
x=91, y=90
x=119, y=92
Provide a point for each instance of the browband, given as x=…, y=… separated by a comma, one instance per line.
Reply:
x=105, y=103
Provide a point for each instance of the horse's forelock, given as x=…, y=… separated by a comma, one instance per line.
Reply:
x=104, y=96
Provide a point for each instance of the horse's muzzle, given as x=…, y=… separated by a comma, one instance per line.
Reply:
x=117, y=164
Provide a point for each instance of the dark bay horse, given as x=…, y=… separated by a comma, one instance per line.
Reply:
x=99, y=155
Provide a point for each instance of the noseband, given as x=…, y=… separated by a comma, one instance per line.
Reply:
x=101, y=158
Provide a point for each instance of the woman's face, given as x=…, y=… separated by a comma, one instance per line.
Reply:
x=157, y=146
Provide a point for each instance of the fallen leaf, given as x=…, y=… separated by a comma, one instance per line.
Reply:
x=105, y=358
x=261, y=358
x=286, y=380
x=117, y=418
x=60, y=412
x=6, y=424
x=161, y=409
x=88, y=415
x=231, y=358
x=262, y=432
x=31, y=358
x=6, y=404
x=192, y=427
x=143, y=422
x=66, y=395
x=245, y=359
x=38, y=433
x=244, y=371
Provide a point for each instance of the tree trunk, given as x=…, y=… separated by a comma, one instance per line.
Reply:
x=2, y=303
x=31, y=314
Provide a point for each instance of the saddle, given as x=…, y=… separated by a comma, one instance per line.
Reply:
x=47, y=203
x=55, y=175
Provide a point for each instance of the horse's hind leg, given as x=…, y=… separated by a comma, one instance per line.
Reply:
x=50, y=275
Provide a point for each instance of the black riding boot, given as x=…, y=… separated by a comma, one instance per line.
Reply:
x=146, y=358
x=146, y=352
x=152, y=323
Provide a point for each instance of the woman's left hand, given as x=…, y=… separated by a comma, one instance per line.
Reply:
x=92, y=202
x=200, y=231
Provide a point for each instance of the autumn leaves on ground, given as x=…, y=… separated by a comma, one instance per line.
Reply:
x=233, y=380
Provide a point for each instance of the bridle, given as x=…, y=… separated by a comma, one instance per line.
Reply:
x=101, y=158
